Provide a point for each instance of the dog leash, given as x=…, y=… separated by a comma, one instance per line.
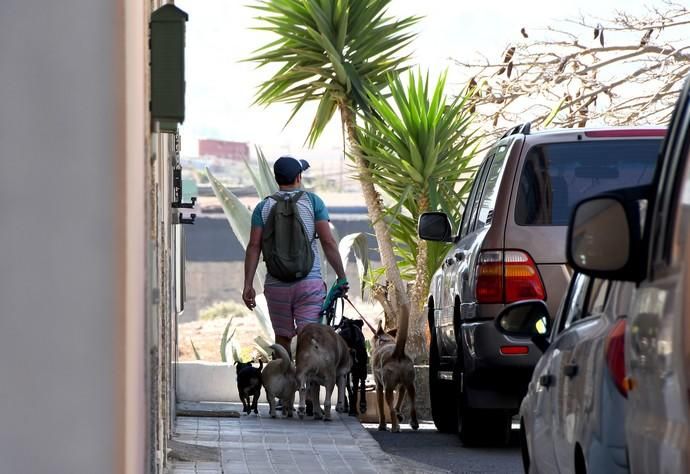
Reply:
x=346, y=298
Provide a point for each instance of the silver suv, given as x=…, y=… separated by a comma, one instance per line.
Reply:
x=644, y=241
x=510, y=246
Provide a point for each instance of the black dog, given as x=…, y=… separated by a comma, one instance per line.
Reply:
x=351, y=331
x=249, y=384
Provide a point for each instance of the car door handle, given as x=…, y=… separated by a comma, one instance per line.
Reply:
x=570, y=370
x=546, y=380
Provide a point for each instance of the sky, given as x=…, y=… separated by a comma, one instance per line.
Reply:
x=221, y=88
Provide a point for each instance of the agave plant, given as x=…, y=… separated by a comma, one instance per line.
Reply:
x=420, y=148
x=196, y=352
x=339, y=53
x=225, y=339
x=239, y=217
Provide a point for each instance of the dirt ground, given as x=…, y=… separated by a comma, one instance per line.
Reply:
x=206, y=335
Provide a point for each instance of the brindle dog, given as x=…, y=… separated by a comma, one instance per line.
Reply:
x=393, y=370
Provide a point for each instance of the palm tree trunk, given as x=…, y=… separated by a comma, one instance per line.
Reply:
x=399, y=299
x=417, y=341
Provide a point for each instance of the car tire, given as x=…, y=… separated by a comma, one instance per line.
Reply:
x=480, y=427
x=524, y=447
x=440, y=393
x=475, y=426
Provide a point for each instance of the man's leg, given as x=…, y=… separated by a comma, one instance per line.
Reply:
x=279, y=301
x=308, y=297
x=307, y=300
x=285, y=342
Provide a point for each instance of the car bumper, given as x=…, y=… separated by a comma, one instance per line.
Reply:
x=495, y=379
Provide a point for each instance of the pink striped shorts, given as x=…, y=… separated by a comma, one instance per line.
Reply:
x=293, y=306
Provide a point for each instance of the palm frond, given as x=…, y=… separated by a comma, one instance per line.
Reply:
x=419, y=148
x=338, y=52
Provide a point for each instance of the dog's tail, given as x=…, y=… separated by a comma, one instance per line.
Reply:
x=401, y=336
x=283, y=355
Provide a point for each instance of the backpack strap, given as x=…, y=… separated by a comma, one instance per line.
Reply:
x=313, y=211
x=281, y=197
x=297, y=196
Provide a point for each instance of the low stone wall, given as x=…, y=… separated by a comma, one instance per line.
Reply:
x=206, y=382
x=215, y=382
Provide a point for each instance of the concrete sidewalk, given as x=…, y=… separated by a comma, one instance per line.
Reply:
x=260, y=444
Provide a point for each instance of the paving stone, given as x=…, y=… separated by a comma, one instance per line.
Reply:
x=260, y=444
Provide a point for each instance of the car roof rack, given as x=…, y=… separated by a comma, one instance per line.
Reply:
x=523, y=128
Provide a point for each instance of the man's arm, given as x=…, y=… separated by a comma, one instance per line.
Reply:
x=330, y=247
x=251, y=261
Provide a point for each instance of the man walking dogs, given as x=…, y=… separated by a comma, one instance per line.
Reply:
x=284, y=229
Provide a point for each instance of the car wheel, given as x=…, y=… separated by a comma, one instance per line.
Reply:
x=484, y=427
x=440, y=393
x=580, y=463
x=524, y=448
x=476, y=426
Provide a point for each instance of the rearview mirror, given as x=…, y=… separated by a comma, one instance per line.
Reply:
x=525, y=319
x=435, y=226
x=599, y=236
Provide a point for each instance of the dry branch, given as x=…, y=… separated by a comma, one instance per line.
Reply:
x=630, y=78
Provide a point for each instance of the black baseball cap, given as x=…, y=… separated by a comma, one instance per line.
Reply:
x=286, y=169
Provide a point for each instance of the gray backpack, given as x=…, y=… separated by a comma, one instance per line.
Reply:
x=285, y=245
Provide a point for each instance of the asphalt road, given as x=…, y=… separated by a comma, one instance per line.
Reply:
x=446, y=452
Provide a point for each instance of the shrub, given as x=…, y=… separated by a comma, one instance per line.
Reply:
x=223, y=310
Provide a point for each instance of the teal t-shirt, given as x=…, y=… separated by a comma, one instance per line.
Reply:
x=311, y=209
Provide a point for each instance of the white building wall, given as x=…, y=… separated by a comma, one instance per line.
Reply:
x=75, y=241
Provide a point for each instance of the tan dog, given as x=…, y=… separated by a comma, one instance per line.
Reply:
x=323, y=358
x=278, y=378
x=393, y=370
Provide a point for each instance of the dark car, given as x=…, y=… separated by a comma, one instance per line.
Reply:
x=510, y=246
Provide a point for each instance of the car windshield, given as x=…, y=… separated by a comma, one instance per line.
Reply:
x=556, y=176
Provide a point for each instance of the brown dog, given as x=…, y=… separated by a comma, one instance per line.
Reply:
x=278, y=378
x=323, y=358
x=393, y=370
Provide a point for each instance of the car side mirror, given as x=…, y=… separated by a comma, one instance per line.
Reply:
x=527, y=319
x=435, y=226
x=603, y=239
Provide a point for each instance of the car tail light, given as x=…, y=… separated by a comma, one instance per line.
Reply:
x=489, y=287
x=615, y=356
x=514, y=350
x=506, y=277
x=522, y=280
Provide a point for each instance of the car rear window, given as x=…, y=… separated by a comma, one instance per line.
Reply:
x=556, y=176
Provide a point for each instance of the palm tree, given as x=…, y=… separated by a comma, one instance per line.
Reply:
x=339, y=53
x=419, y=149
